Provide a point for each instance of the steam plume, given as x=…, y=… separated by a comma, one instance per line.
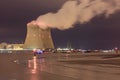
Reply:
x=72, y=12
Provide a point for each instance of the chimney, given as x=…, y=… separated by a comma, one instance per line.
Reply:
x=38, y=38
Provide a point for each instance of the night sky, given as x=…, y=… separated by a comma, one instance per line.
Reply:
x=99, y=33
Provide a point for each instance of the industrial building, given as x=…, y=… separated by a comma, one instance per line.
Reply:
x=38, y=38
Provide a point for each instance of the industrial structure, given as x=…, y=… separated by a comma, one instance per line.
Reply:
x=11, y=46
x=38, y=38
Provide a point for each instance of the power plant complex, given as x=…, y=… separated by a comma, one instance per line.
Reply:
x=38, y=38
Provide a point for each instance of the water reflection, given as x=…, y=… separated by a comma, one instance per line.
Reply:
x=36, y=64
x=33, y=65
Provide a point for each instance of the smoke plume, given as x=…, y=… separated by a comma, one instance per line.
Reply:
x=73, y=11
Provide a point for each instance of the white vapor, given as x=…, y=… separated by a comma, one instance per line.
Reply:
x=72, y=12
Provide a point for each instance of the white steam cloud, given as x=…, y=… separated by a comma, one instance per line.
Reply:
x=76, y=11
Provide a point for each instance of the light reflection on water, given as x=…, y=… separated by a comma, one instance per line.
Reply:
x=47, y=68
x=36, y=66
x=33, y=65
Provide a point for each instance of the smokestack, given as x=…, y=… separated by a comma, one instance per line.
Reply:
x=38, y=38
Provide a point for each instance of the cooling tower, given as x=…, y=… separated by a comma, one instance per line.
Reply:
x=38, y=38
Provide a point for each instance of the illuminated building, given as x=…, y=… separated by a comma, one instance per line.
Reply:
x=38, y=38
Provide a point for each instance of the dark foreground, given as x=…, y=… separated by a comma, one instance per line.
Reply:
x=25, y=66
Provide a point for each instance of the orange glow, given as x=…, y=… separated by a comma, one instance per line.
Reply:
x=33, y=64
x=37, y=23
x=33, y=23
x=41, y=24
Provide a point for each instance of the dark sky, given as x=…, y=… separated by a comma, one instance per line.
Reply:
x=99, y=33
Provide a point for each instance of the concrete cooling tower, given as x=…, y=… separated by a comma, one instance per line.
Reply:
x=38, y=38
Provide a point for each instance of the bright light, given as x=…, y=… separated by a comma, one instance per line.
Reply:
x=34, y=50
x=65, y=49
x=59, y=49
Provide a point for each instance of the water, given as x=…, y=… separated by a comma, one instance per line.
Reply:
x=25, y=66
